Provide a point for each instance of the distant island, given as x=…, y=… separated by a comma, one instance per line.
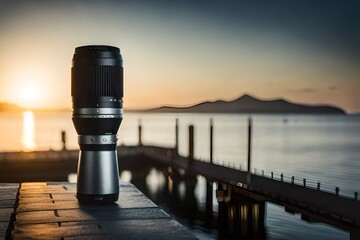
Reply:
x=8, y=107
x=250, y=104
x=243, y=104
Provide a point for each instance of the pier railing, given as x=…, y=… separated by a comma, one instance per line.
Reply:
x=307, y=182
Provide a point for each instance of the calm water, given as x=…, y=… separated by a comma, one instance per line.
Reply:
x=319, y=148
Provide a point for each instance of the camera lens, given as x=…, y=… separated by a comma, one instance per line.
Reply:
x=97, y=96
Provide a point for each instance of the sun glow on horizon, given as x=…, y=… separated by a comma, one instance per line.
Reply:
x=29, y=95
x=24, y=90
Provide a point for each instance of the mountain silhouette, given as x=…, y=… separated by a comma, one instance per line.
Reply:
x=250, y=104
x=8, y=107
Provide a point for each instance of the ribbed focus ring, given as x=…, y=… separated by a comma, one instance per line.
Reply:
x=96, y=81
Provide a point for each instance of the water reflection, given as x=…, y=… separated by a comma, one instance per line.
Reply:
x=233, y=217
x=126, y=176
x=28, y=132
x=154, y=181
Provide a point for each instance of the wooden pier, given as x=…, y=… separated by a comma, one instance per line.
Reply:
x=314, y=205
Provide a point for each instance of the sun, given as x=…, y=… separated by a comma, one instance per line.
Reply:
x=29, y=95
x=24, y=90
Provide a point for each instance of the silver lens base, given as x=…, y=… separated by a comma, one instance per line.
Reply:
x=98, y=173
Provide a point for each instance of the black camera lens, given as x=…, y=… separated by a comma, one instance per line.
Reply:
x=97, y=96
x=97, y=89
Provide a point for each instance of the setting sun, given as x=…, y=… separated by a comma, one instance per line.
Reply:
x=24, y=89
x=28, y=96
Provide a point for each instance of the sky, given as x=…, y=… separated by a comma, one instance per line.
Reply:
x=183, y=52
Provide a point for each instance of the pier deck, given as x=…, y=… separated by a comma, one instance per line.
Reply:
x=50, y=210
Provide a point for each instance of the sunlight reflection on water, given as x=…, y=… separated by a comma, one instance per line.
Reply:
x=28, y=133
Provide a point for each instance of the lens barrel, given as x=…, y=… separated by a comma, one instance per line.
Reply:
x=97, y=96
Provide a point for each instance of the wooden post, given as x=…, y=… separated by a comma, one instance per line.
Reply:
x=191, y=144
x=177, y=136
x=140, y=133
x=209, y=202
x=337, y=190
x=170, y=155
x=222, y=211
x=249, y=145
x=211, y=140
x=63, y=139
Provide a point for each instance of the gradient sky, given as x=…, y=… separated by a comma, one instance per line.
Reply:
x=183, y=52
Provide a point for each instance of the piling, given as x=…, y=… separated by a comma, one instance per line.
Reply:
x=209, y=202
x=190, y=179
x=209, y=184
x=140, y=133
x=63, y=140
x=177, y=136
x=191, y=144
x=249, y=145
x=222, y=212
x=170, y=155
x=211, y=140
